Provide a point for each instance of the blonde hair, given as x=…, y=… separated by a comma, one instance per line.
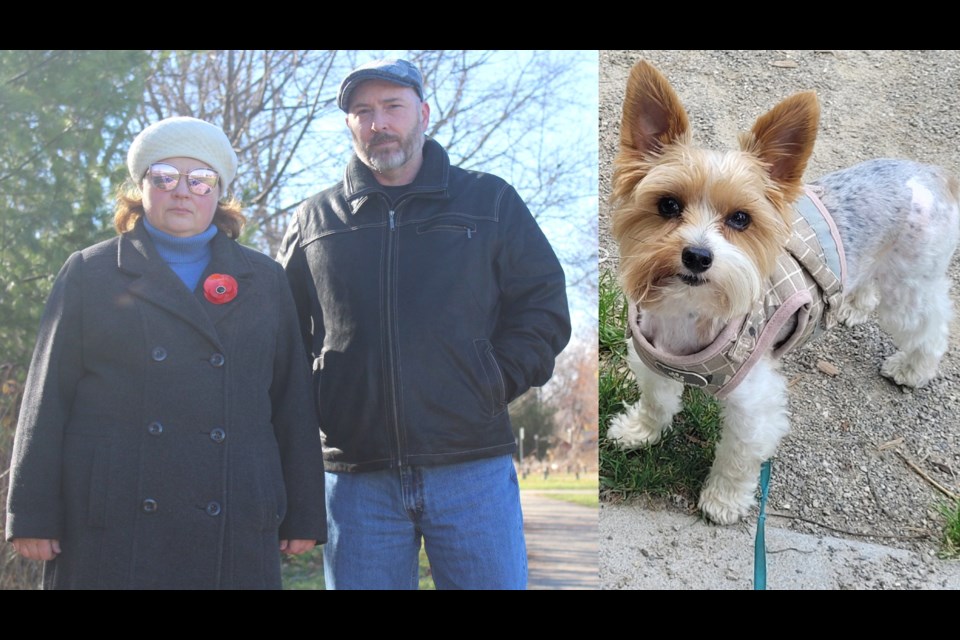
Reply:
x=228, y=217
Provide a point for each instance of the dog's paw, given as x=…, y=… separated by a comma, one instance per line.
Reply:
x=858, y=305
x=724, y=504
x=635, y=428
x=907, y=371
x=852, y=316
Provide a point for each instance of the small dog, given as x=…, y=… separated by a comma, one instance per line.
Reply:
x=724, y=271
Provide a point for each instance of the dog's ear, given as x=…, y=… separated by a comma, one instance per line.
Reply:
x=652, y=114
x=783, y=139
x=653, y=118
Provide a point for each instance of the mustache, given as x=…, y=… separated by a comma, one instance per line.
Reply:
x=380, y=138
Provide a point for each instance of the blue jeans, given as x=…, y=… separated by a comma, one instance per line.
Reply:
x=468, y=515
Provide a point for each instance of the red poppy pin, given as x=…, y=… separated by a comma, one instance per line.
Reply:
x=220, y=288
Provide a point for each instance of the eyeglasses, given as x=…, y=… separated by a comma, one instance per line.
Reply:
x=166, y=178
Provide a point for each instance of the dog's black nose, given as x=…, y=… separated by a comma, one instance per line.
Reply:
x=697, y=259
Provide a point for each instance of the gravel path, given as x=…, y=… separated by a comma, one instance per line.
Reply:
x=562, y=551
x=843, y=464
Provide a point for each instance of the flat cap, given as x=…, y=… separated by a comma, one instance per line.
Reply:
x=394, y=70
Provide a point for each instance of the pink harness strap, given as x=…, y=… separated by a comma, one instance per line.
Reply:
x=807, y=285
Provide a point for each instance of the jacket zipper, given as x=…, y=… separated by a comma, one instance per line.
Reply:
x=392, y=339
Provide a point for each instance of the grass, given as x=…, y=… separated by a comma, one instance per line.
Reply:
x=306, y=571
x=679, y=463
x=559, y=481
x=951, y=530
x=556, y=484
x=584, y=499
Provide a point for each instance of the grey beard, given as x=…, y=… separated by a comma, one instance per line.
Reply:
x=383, y=160
x=387, y=161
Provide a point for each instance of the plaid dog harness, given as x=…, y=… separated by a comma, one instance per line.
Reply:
x=807, y=284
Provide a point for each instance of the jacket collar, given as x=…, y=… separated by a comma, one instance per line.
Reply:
x=156, y=283
x=432, y=180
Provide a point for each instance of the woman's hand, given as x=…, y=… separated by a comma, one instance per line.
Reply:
x=36, y=548
x=296, y=547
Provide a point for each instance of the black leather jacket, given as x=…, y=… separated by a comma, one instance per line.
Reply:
x=426, y=319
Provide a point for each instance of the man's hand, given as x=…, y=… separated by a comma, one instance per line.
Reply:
x=36, y=548
x=296, y=547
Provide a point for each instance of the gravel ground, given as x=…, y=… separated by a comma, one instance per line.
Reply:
x=843, y=464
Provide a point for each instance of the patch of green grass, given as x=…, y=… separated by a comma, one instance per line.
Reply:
x=679, y=463
x=305, y=571
x=585, y=499
x=536, y=481
x=951, y=529
x=426, y=575
x=613, y=315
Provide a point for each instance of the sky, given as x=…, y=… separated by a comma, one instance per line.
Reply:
x=569, y=128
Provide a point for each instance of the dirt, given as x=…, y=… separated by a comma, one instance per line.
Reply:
x=845, y=468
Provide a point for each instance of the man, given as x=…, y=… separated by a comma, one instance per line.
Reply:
x=429, y=299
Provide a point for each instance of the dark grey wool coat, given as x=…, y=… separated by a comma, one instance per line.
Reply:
x=166, y=441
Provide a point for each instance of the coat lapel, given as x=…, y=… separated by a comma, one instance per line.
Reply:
x=227, y=259
x=157, y=284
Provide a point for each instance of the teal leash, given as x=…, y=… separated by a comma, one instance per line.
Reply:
x=760, y=546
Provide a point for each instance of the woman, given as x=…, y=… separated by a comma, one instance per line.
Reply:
x=168, y=437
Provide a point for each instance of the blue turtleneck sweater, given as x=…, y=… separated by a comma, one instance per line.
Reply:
x=188, y=257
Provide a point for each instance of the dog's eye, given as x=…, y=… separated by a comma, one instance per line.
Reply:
x=669, y=207
x=738, y=220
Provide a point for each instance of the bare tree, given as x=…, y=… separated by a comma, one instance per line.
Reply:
x=503, y=112
x=530, y=117
x=573, y=395
x=267, y=102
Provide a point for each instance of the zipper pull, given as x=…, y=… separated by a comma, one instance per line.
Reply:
x=469, y=233
x=391, y=220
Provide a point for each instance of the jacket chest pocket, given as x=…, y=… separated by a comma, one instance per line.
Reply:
x=449, y=224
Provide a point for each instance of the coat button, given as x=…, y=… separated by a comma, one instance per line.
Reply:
x=213, y=508
x=159, y=354
x=217, y=359
x=154, y=428
x=149, y=505
x=218, y=435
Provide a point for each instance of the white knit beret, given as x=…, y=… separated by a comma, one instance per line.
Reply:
x=186, y=137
